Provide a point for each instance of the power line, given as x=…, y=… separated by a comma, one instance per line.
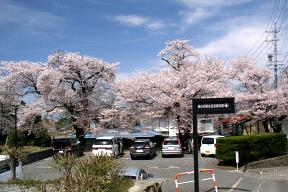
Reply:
x=249, y=52
x=284, y=4
x=275, y=14
x=256, y=45
x=273, y=58
x=285, y=14
x=272, y=13
x=261, y=50
x=284, y=71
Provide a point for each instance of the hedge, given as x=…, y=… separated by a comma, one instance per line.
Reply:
x=251, y=147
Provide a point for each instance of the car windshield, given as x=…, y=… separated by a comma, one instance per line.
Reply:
x=140, y=144
x=61, y=143
x=208, y=141
x=171, y=142
x=103, y=142
x=4, y=168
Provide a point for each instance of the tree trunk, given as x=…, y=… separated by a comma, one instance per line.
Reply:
x=265, y=125
x=278, y=127
x=271, y=123
x=13, y=167
x=245, y=127
x=79, y=134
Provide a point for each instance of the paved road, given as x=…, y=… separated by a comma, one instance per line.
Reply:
x=165, y=168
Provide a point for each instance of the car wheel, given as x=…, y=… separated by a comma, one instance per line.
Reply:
x=151, y=156
x=132, y=157
x=202, y=155
x=163, y=155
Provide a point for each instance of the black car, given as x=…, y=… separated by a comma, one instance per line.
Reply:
x=142, y=147
x=68, y=146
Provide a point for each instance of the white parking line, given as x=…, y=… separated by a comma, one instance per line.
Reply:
x=157, y=167
x=235, y=184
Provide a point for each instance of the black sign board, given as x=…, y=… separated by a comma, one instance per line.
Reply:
x=207, y=106
x=214, y=105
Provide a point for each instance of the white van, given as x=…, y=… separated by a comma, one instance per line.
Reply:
x=208, y=144
x=107, y=146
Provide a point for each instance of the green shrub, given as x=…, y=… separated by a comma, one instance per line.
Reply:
x=251, y=147
x=90, y=174
x=42, y=138
x=21, y=139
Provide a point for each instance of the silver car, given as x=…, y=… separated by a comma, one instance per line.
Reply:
x=135, y=173
x=172, y=146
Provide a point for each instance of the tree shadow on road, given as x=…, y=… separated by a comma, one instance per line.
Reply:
x=227, y=188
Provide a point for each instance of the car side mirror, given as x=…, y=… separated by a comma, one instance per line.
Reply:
x=150, y=175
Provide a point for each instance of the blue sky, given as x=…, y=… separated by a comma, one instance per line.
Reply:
x=130, y=32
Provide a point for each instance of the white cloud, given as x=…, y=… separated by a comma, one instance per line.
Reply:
x=133, y=20
x=122, y=76
x=140, y=21
x=13, y=13
x=237, y=41
x=194, y=16
x=155, y=25
x=197, y=10
x=211, y=3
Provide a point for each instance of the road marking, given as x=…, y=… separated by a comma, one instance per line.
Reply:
x=235, y=184
x=260, y=182
x=154, y=167
x=173, y=167
x=157, y=167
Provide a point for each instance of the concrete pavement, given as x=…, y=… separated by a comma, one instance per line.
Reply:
x=253, y=180
x=261, y=180
x=270, y=179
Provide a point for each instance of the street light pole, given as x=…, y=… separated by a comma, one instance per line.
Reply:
x=15, y=128
x=14, y=160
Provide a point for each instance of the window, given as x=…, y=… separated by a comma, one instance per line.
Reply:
x=208, y=141
x=140, y=144
x=103, y=142
x=171, y=142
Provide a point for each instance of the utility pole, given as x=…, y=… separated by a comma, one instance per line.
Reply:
x=274, y=58
x=14, y=159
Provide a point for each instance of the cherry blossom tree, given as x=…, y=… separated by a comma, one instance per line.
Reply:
x=69, y=84
x=78, y=86
x=255, y=96
x=169, y=92
x=20, y=80
x=6, y=119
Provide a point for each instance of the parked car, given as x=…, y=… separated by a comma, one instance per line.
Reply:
x=107, y=145
x=172, y=146
x=135, y=173
x=120, y=145
x=208, y=144
x=6, y=174
x=142, y=147
x=68, y=145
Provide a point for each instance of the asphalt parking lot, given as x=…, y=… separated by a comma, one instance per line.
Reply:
x=165, y=169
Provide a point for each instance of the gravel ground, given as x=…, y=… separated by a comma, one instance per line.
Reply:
x=14, y=188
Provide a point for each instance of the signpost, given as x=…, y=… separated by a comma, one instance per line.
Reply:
x=207, y=106
x=237, y=159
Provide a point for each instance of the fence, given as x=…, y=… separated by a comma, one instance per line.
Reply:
x=211, y=171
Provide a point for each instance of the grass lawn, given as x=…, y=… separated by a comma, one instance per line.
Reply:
x=26, y=149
